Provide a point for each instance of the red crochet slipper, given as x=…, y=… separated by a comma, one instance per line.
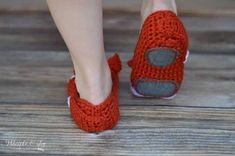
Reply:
x=101, y=117
x=160, y=53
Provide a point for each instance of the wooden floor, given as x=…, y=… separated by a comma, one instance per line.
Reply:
x=35, y=120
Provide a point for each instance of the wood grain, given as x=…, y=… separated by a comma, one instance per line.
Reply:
x=199, y=7
x=35, y=120
x=38, y=32
x=141, y=131
x=41, y=76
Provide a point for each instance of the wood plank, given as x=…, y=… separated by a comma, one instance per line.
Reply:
x=141, y=131
x=200, y=42
x=117, y=20
x=38, y=32
x=16, y=114
x=201, y=7
x=209, y=82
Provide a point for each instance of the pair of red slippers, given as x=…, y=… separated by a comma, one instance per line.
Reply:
x=157, y=71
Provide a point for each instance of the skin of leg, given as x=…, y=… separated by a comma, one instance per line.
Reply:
x=150, y=6
x=80, y=24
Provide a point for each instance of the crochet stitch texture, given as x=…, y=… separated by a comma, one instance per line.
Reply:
x=161, y=29
x=96, y=118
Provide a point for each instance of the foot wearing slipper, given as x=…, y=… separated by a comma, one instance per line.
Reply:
x=160, y=53
x=101, y=116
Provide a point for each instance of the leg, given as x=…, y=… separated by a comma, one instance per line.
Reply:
x=80, y=24
x=150, y=6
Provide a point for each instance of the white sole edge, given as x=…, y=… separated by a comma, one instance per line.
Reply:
x=68, y=98
x=68, y=101
x=187, y=56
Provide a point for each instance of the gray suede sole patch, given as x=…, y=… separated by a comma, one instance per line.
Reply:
x=158, y=57
x=161, y=57
x=149, y=87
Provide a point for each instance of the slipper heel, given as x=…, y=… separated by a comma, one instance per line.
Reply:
x=96, y=118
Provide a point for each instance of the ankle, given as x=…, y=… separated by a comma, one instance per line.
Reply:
x=94, y=86
x=150, y=6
